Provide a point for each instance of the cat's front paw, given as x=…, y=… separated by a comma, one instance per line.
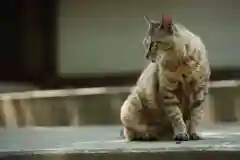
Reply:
x=148, y=137
x=181, y=137
x=195, y=137
x=145, y=137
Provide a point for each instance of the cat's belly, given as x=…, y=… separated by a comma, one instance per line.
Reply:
x=156, y=120
x=150, y=116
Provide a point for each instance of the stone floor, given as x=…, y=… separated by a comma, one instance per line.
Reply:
x=104, y=142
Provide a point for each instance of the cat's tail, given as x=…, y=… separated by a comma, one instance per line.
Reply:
x=122, y=134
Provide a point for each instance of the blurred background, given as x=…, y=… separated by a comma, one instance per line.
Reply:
x=79, y=43
x=59, y=44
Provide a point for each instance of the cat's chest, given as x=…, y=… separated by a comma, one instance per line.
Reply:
x=182, y=68
x=173, y=64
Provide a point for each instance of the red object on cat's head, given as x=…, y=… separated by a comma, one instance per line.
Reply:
x=166, y=19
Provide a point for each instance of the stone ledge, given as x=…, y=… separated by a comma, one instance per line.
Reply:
x=74, y=107
x=95, y=91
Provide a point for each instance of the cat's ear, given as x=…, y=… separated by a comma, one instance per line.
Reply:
x=166, y=21
x=148, y=22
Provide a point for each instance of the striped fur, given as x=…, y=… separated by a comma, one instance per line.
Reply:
x=140, y=113
x=175, y=84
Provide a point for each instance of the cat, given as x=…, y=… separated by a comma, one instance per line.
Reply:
x=183, y=74
x=174, y=85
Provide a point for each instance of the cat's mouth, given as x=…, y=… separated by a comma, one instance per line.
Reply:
x=150, y=57
x=153, y=57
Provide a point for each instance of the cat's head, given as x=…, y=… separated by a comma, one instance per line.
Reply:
x=160, y=35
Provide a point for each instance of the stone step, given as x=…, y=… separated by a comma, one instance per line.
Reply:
x=89, y=106
x=69, y=109
x=103, y=142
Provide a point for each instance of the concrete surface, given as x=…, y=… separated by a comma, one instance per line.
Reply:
x=104, y=142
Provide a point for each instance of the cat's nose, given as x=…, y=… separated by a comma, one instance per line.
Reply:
x=147, y=56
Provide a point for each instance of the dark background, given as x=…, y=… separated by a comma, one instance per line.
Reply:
x=31, y=27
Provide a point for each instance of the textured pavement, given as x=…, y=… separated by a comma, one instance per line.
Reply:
x=106, y=139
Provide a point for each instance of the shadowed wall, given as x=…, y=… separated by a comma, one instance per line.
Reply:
x=80, y=43
x=105, y=36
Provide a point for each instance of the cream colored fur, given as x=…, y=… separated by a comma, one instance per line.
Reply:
x=188, y=51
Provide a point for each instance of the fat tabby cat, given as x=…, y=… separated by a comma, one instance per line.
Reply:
x=169, y=96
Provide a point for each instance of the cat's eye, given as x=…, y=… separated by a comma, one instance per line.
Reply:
x=162, y=43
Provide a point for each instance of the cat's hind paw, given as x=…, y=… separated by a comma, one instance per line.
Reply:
x=195, y=137
x=181, y=137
